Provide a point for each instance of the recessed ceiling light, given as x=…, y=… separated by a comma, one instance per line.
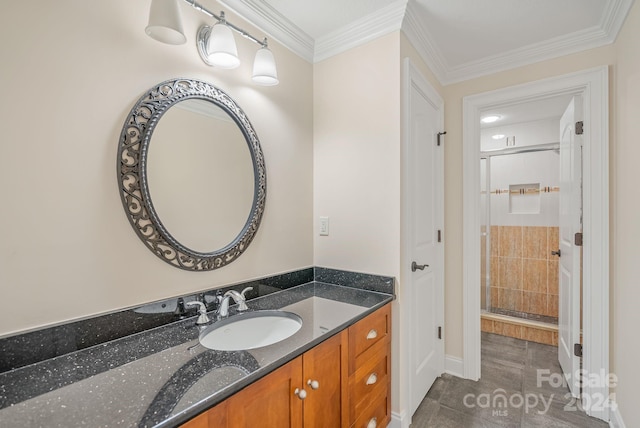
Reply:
x=491, y=119
x=498, y=136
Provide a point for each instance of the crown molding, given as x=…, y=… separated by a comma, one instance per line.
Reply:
x=614, y=17
x=403, y=15
x=273, y=23
x=370, y=27
x=280, y=28
x=422, y=41
x=600, y=35
x=560, y=46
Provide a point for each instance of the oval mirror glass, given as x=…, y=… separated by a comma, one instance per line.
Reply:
x=191, y=174
x=200, y=175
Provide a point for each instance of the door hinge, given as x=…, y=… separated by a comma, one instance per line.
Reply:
x=440, y=134
x=439, y=235
x=439, y=332
x=579, y=128
x=578, y=239
x=577, y=349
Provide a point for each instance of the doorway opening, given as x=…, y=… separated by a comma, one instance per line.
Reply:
x=519, y=220
x=592, y=87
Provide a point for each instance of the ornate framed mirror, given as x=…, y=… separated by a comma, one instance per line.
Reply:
x=191, y=174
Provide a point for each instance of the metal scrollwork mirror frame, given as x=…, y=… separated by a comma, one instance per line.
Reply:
x=132, y=178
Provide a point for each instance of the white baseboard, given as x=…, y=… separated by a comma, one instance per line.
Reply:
x=399, y=420
x=454, y=366
x=616, y=418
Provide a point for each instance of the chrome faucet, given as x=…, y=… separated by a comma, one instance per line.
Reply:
x=239, y=298
x=202, y=311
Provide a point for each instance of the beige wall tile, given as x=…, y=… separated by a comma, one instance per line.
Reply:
x=495, y=240
x=511, y=273
x=510, y=299
x=535, y=242
x=494, y=272
x=537, y=335
x=534, y=303
x=534, y=275
x=495, y=297
x=511, y=241
x=552, y=305
x=532, y=334
x=554, y=242
x=483, y=296
x=508, y=329
x=552, y=272
x=483, y=246
x=486, y=326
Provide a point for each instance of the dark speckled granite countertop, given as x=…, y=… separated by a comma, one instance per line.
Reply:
x=162, y=377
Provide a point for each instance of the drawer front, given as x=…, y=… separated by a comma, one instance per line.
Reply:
x=377, y=415
x=370, y=376
x=369, y=331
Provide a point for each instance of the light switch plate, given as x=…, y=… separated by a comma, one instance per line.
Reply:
x=324, y=226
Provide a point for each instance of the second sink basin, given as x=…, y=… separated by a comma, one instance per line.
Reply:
x=250, y=330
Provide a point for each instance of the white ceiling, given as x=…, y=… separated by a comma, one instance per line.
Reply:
x=459, y=39
x=547, y=108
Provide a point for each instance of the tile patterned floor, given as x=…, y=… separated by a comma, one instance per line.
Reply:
x=510, y=393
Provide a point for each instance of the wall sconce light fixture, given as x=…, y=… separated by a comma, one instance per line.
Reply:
x=216, y=44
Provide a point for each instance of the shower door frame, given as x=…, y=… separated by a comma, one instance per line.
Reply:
x=593, y=85
x=486, y=156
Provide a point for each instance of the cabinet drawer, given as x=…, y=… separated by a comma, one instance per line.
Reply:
x=370, y=377
x=377, y=415
x=369, y=331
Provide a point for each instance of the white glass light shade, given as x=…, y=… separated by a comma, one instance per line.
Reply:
x=264, y=68
x=165, y=22
x=221, y=47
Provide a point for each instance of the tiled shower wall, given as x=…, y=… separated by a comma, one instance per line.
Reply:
x=523, y=273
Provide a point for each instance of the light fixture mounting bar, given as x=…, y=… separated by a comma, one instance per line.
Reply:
x=198, y=6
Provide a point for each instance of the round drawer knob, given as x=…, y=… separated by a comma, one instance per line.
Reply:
x=301, y=393
x=313, y=384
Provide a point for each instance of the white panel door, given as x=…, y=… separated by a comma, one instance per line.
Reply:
x=425, y=165
x=570, y=224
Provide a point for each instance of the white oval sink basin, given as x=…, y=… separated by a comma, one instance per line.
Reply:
x=250, y=330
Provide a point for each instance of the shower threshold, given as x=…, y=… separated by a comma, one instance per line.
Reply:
x=524, y=315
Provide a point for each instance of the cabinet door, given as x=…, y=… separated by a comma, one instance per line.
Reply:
x=325, y=367
x=270, y=401
x=215, y=417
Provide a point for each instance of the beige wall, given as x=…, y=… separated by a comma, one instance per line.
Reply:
x=72, y=71
x=357, y=165
x=625, y=209
x=357, y=158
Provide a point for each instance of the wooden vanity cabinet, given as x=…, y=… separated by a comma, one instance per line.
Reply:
x=370, y=370
x=326, y=364
x=345, y=382
x=286, y=397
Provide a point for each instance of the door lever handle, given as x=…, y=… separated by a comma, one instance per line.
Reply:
x=415, y=266
x=556, y=253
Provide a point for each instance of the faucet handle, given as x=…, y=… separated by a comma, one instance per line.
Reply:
x=242, y=304
x=202, y=310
